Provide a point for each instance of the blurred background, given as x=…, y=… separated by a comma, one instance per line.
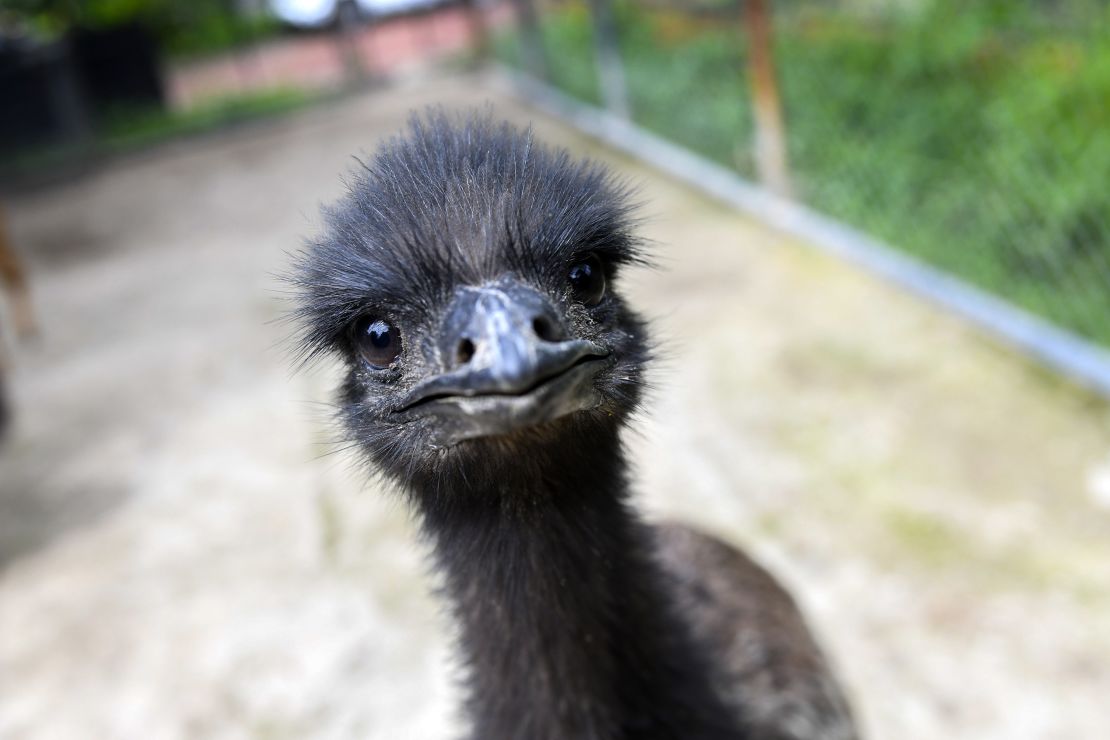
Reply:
x=185, y=553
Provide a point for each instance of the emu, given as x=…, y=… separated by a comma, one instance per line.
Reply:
x=467, y=282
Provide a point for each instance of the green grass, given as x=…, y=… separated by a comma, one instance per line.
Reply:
x=124, y=129
x=972, y=136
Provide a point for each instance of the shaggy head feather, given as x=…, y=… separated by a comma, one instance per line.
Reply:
x=453, y=203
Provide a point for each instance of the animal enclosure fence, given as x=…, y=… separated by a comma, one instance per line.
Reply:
x=970, y=136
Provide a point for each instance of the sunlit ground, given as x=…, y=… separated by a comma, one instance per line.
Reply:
x=182, y=558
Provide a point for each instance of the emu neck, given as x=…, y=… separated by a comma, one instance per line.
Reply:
x=565, y=626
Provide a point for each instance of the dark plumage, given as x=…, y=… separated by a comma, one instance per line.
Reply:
x=466, y=282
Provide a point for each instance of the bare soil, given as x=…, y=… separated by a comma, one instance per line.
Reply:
x=183, y=554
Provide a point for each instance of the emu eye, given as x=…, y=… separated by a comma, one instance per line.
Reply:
x=377, y=341
x=587, y=280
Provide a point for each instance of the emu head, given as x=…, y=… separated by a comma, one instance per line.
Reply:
x=466, y=280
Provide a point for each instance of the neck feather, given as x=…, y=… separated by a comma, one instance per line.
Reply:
x=565, y=625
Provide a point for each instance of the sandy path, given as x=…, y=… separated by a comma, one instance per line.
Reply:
x=179, y=558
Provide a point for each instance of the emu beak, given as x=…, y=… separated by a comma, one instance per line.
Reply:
x=508, y=365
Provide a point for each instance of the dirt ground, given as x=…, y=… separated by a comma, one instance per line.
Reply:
x=181, y=555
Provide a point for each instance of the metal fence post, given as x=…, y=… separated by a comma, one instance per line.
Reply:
x=532, y=50
x=66, y=98
x=347, y=31
x=479, y=32
x=610, y=66
x=770, y=131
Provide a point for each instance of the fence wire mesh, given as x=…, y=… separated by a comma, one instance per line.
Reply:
x=974, y=136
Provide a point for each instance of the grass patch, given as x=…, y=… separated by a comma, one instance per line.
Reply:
x=930, y=542
x=130, y=128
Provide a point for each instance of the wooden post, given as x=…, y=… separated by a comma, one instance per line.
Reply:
x=610, y=66
x=14, y=277
x=770, y=131
x=531, y=40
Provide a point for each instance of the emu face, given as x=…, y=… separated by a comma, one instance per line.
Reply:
x=467, y=281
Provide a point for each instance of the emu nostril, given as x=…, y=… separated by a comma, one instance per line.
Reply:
x=465, y=351
x=545, y=329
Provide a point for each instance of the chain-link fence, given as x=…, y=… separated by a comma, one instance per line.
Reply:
x=974, y=136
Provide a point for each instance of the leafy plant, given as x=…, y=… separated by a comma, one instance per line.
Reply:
x=182, y=26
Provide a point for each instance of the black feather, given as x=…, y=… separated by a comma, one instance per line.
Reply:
x=568, y=629
x=455, y=202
